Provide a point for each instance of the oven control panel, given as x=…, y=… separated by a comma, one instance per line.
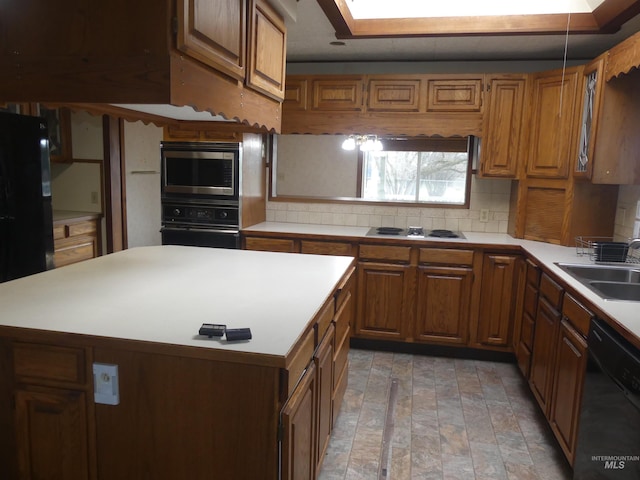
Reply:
x=199, y=215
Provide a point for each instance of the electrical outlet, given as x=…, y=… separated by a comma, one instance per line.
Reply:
x=484, y=215
x=105, y=384
x=94, y=198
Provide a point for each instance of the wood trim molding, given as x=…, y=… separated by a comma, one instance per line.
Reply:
x=114, y=187
x=607, y=18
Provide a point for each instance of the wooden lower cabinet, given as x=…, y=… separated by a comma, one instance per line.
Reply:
x=323, y=359
x=571, y=363
x=543, y=354
x=52, y=434
x=384, y=300
x=497, y=300
x=443, y=304
x=524, y=340
x=299, y=439
x=75, y=240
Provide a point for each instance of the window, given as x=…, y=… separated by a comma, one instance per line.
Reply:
x=417, y=170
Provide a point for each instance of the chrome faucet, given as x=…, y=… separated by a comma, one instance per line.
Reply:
x=634, y=243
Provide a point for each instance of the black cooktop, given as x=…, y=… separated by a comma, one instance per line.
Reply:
x=413, y=232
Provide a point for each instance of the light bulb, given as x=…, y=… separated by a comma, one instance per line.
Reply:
x=349, y=144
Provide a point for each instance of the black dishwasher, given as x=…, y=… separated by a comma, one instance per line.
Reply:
x=609, y=429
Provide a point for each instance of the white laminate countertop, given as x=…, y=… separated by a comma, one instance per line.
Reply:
x=625, y=313
x=164, y=294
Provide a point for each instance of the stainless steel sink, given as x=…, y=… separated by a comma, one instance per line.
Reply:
x=611, y=282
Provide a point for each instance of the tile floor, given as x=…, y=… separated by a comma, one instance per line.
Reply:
x=408, y=417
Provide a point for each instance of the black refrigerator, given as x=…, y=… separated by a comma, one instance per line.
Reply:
x=26, y=219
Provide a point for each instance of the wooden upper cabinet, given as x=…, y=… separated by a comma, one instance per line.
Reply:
x=592, y=89
x=401, y=95
x=551, y=118
x=343, y=93
x=454, y=95
x=214, y=33
x=295, y=93
x=501, y=131
x=267, y=50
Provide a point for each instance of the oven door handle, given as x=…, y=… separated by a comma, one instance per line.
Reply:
x=205, y=230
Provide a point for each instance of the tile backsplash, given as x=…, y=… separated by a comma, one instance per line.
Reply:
x=627, y=224
x=486, y=194
x=491, y=195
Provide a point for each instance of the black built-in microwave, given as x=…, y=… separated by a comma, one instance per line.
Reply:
x=200, y=170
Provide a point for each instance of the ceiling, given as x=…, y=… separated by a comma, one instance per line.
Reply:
x=311, y=34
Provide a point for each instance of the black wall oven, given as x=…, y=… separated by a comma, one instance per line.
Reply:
x=200, y=194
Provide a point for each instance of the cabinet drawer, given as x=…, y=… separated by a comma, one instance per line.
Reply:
x=301, y=358
x=530, y=300
x=81, y=228
x=326, y=248
x=551, y=291
x=323, y=320
x=338, y=392
x=66, y=255
x=344, y=290
x=394, y=95
x=526, y=335
x=579, y=316
x=270, y=244
x=446, y=256
x=385, y=252
x=341, y=355
x=454, y=95
x=37, y=363
x=343, y=319
x=533, y=273
x=58, y=232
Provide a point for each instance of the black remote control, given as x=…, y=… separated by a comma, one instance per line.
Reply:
x=212, y=330
x=235, y=334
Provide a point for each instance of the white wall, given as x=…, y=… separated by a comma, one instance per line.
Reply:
x=142, y=169
x=628, y=212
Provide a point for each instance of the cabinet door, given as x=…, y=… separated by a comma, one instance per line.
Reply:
x=591, y=98
x=501, y=129
x=383, y=300
x=454, y=95
x=298, y=430
x=543, y=353
x=397, y=95
x=214, y=33
x=52, y=434
x=567, y=388
x=444, y=298
x=267, y=50
x=323, y=360
x=342, y=93
x=552, y=117
x=497, y=300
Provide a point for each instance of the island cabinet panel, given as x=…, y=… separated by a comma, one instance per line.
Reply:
x=299, y=439
x=176, y=411
x=344, y=319
x=454, y=95
x=53, y=430
x=552, y=113
x=443, y=308
x=323, y=359
x=502, y=124
x=214, y=33
x=52, y=434
x=497, y=300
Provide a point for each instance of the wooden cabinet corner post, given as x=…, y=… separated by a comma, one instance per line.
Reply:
x=115, y=188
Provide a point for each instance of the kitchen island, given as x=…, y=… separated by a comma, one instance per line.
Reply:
x=189, y=406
